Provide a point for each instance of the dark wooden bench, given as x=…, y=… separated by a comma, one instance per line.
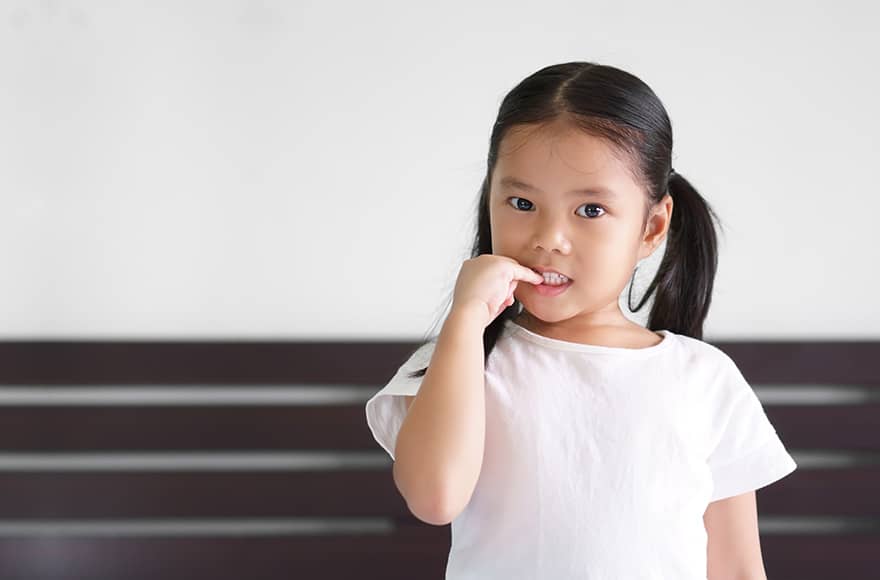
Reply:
x=231, y=460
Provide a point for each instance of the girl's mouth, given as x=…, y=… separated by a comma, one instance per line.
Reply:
x=546, y=289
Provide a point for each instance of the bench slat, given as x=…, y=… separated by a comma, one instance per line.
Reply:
x=121, y=363
x=845, y=492
x=418, y=552
x=327, y=427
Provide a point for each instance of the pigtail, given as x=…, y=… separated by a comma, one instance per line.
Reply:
x=686, y=274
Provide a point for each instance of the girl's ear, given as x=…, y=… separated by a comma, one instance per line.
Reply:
x=656, y=226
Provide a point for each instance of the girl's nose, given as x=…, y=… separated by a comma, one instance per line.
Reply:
x=551, y=236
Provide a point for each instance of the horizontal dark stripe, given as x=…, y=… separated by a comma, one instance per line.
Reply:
x=266, y=427
x=206, y=362
x=340, y=492
x=366, y=362
x=321, y=428
x=832, y=427
x=418, y=551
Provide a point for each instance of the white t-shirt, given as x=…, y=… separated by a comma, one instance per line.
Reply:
x=599, y=462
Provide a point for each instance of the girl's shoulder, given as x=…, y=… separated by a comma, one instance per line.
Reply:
x=702, y=354
x=698, y=346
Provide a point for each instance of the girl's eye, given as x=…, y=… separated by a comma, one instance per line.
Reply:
x=528, y=203
x=594, y=206
x=519, y=205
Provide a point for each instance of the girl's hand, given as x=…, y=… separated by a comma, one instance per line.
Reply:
x=485, y=285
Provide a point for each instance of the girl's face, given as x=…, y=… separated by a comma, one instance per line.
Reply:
x=562, y=199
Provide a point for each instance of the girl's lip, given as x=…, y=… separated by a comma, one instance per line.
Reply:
x=548, y=290
x=542, y=270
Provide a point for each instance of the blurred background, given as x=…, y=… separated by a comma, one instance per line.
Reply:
x=225, y=224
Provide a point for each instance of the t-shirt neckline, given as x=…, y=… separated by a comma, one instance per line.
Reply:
x=558, y=344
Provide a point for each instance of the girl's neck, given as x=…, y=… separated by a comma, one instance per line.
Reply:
x=612, y=332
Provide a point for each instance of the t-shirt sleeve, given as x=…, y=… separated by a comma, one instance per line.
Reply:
x=746, y=451
x=386, y=409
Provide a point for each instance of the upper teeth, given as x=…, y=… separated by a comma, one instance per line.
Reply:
x=554, y=278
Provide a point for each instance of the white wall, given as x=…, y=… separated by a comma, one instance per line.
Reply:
x=236, y=169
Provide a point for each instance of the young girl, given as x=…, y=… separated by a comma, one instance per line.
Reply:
x=560, y=439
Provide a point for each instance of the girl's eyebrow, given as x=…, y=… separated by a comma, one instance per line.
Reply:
x=596, y=191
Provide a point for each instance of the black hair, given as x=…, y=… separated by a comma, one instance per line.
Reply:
x=620, y=108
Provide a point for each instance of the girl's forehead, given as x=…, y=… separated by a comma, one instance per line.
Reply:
x=584, y=152
x=560, y=157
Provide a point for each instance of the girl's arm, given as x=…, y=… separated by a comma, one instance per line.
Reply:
x=734, y=550
x=439, y=449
